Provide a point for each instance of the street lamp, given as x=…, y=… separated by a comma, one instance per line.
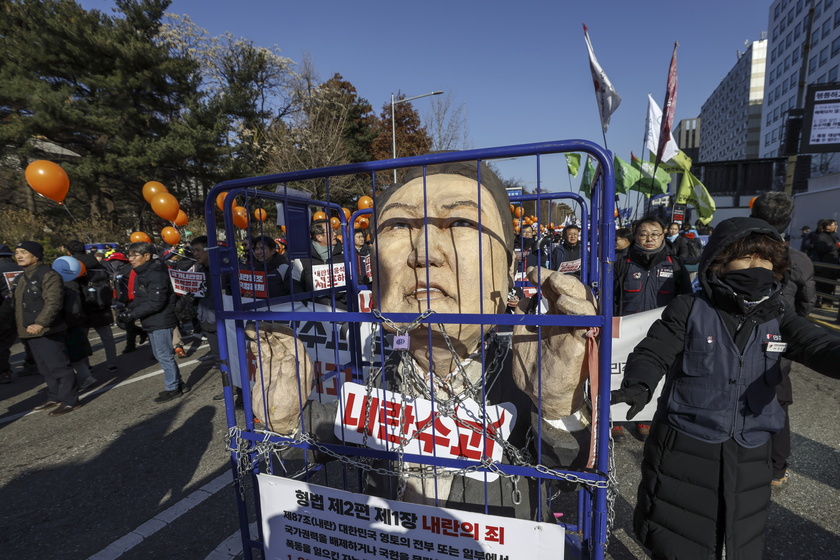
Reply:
x=394, y=123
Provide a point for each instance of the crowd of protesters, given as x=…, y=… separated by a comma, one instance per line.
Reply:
x=53, y=307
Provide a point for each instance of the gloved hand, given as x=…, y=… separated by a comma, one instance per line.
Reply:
x=632, y=392
x=125, y=316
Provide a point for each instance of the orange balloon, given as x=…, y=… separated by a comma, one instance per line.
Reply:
x=511, y=208
x=48, y=179
x=752, y=201
x=347, y=214
x=363, y=223
x=83, y=270
x=166, y=206
x=516, y=229
x=339, y=238
x=318, y=216
x=517, y=211
x=152, y=188
x=140, y=237
x=260, y=214
x=182, y=219
x=240, y=217
x=220, y=200
x=365, y=202
x=170, y=235
x=335, y=222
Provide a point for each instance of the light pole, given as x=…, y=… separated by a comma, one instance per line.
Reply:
x=394, y=122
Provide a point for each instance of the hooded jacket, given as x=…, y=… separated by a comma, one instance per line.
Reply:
x=717, y=409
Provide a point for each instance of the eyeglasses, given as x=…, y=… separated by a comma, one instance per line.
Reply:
x=651, y=236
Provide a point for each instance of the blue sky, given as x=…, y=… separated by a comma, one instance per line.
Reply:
x=520, y=68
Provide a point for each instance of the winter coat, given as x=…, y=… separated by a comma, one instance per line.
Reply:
x=644, y=282
x=39, y=300
x=98, y=274
x=154, y=298
x=678, y=512
x=825, y=247
x=302, y=275
x=567, y=257
x=7, y=307
x=800, y=292
x=75, y=337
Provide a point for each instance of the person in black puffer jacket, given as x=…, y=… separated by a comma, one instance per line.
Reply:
x=799, y=294
x=97, y=317
x=706, y=470
x=154, y=306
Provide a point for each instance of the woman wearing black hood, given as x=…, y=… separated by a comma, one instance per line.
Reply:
x=706, y=470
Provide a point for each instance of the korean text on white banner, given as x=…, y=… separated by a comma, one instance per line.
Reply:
x=309, y=521
x=186, y=282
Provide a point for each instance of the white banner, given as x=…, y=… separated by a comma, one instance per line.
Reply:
x=321, y=276
x=627, y=333
x=186, y=282
x=306, y=521
x=385, y=420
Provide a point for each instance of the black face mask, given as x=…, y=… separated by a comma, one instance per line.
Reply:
x=751, y=283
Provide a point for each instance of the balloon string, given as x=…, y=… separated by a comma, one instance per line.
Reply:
x=75, y=221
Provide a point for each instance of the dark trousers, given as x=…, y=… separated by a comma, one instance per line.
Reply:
x=50, y=354
x=7, y=339
x=780, y=442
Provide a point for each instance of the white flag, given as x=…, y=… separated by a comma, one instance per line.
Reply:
x=605, y=94
x=652, y=126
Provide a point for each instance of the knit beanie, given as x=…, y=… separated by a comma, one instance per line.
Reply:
x=33, y=247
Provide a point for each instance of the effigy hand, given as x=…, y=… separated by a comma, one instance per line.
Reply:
x=284, y=384
x=561, y=349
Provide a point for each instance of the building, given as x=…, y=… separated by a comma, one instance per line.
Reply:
x=687, y=136
x=803, y=48
x=731, y=116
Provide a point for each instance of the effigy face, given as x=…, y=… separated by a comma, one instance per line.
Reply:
x=458, y=264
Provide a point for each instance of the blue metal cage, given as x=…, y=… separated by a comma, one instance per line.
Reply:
x=361, y=345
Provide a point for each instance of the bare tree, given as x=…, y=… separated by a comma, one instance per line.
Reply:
x=447, y=124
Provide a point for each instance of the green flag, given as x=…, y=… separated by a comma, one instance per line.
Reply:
x=588, y=178
x=693, y=192
x=647, y=184
x=573, y=164
x=625, y=175
x=677, y=164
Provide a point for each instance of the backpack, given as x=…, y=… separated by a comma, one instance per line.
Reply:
x=693, y=250
x=98, y=295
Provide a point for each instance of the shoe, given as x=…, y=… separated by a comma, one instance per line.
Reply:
x=644, y=430
x=618, y=433
x=179, y=351
x=5, y=377
x=165, y=396
x=112, y=368
x=128, y=349
x=781, y=482
x=46, y=406
x=87, y=383
x=219, y=397
x=63, y=409
x=206, y=357
x=143, y=338
x=238, y=402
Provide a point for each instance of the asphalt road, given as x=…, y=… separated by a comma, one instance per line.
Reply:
x=124, y=477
